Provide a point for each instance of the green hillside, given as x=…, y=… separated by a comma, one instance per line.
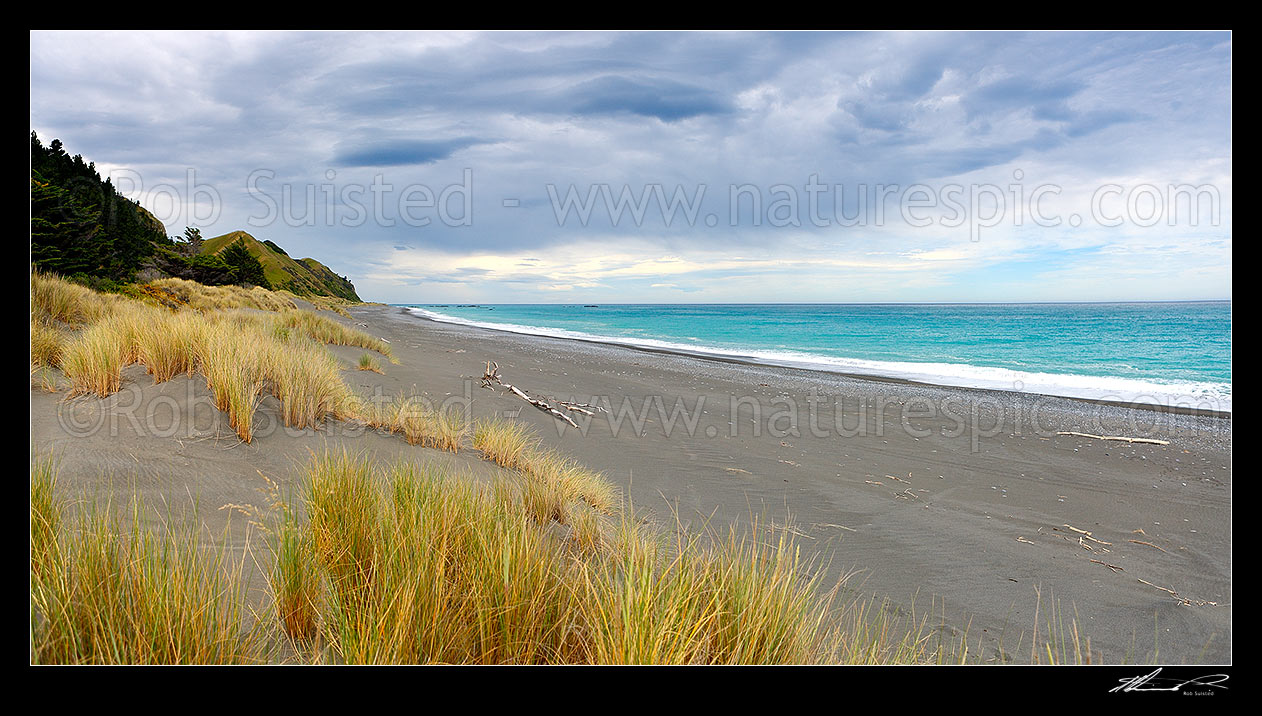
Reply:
x=304, y=277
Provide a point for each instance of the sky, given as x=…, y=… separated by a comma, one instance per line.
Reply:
x=676, y=167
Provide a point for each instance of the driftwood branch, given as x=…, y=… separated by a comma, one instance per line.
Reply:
x=492, y=378
x=1150, y=441
x=1180, y=598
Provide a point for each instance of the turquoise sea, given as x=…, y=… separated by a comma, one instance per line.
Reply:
x=1165, y=353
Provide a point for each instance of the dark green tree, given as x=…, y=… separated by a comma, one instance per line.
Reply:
x=191, y=243
x=248, y=268
x=80, y=224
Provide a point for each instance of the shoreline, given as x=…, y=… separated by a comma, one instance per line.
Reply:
x=754, y=362
x=919, y=513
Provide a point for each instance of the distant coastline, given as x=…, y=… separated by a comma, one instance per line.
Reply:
x=1209, y=399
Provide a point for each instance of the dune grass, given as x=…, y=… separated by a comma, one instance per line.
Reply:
x=401, y=563
x=417, y=566
x=368, y=362
x=324, y=303
x=504, y=442
x=242, y=351
x=514, y=446
x=325, y=330
x=421, y=567
x=59, y=300
x=109, y=591
x=426, y=426
x=404, y=563
x=94, y=361
x=204, y=298
x=47, y=344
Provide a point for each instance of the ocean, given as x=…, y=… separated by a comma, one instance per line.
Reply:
x=1176, y=353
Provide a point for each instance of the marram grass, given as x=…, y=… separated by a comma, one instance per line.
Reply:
x=107, y=590
x=243, y=354
x=513, y=445
x=401, y=563
x=415, y=566
x=368, y=362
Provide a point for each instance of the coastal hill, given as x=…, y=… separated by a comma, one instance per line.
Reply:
x=84, y=229
x=300, y=276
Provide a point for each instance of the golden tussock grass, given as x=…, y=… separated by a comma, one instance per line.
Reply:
x=514, y=446
x=327, y=330
x=242, y=353
x=430, y=427
x=368, y=362
x=94, y=361
x=504, y=442
x=109, y=591
x=47, y=344
x=400, y=563
x=324, y=303
x=217, y=298
x=420, y=567
x=57, y=299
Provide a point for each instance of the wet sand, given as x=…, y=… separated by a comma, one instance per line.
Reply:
x=958, y=503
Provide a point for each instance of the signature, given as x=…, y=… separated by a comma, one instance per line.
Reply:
x=1151, y=682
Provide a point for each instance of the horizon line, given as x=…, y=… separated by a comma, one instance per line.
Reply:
x=821, y=303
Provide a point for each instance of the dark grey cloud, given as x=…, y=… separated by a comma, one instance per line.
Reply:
x=664, y=99
x=398, y=153
x=1044, y=99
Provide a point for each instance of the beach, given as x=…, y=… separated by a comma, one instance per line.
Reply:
x=965, y=507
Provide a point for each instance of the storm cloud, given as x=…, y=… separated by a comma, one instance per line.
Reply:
x=435, y=167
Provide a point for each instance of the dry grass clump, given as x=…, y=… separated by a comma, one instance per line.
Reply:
x=307, y=381
x=217, y=298
x=326, y=330
x=368, y=362
x=505, y=443
x=417, y=567
x=429, y=427
x=47, y=344
x=514, y=446
x=545, y=501
x=167, y=343
x=94, y=361
x=242, y=353
x=411, y=566
x=57, y=299
x=234, y=375
x=573, y=479
x=110, y=591
x=324, y=303
x=242, y=360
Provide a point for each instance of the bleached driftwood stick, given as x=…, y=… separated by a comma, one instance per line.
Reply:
x=1150, y=441
x=492, y=378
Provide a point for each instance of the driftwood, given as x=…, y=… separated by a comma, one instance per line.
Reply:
x=1180, y=598
x=1150, y=441
x=1113, y=567
x=492, y=378
x=1150, y=544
